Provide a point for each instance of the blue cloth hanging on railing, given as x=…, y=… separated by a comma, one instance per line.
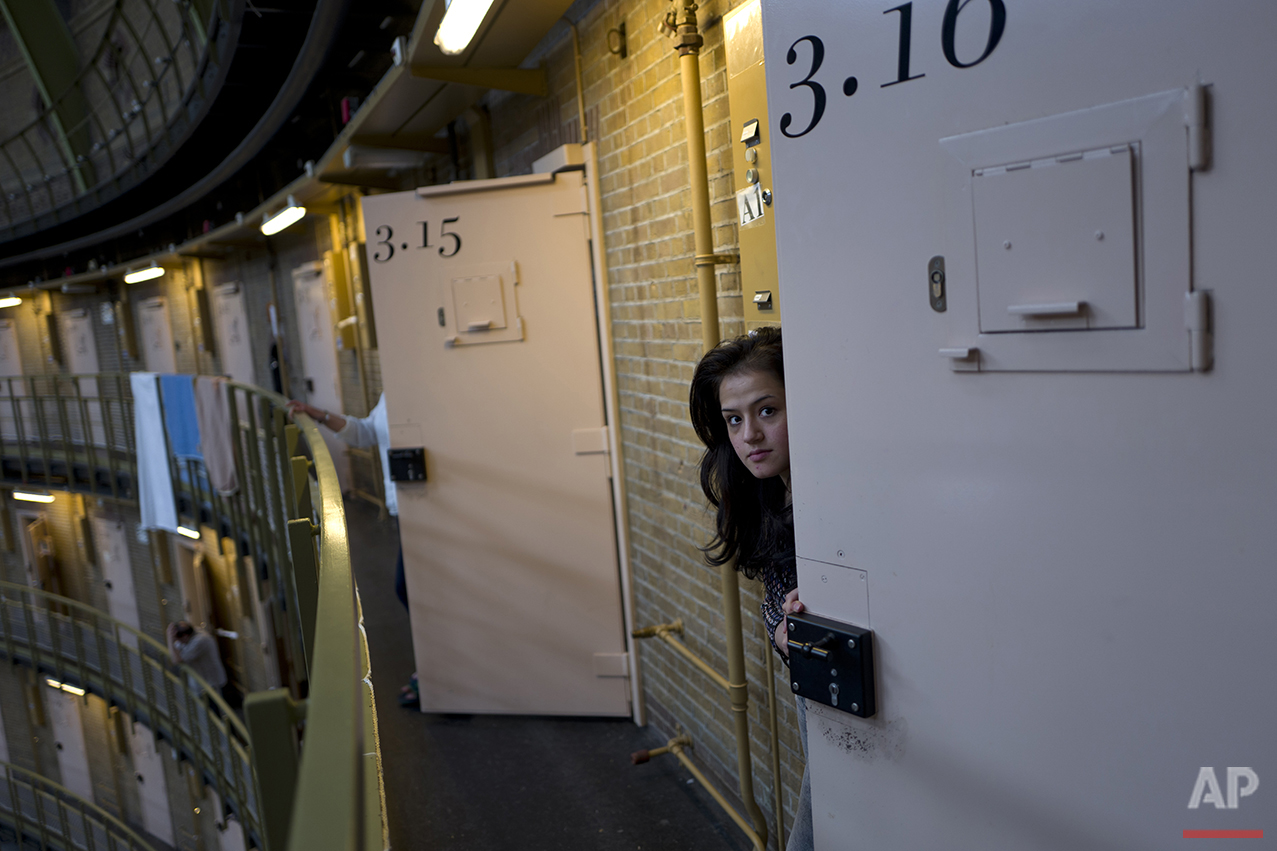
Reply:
x=179, y=416
x=154, y=479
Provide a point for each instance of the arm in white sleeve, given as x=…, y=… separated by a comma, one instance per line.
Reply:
x=359, y=432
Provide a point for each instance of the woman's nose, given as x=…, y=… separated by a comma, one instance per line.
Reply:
x=752, y=433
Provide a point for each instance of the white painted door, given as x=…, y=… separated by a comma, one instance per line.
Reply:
x=79, y=346
x=111, y=542
x=319, y=353
x=231, y=322
x=68, y=739
x=1062, y=538
x=152, y=790
x=11, y=392
x=509, y=548
x=156, y=335
x=230, y=833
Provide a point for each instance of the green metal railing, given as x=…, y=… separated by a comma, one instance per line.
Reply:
x=306, y=773
x=46, y=815
x=70, y=432
x=137, y=91
x=78, y=645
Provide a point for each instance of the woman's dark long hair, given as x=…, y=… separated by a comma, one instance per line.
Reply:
x=753, y=524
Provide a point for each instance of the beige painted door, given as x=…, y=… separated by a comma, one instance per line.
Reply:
x=68, y=739
x=152, y=790
x=110, y=540
x=319, y=353
x=11, y=391
x=156, y=335
x=42, y=572
x=490, y=361
x=231, y=324
x=193, y=583
x=80, y=347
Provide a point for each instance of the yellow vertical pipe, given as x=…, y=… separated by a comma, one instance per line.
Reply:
x=689, y=41
x=698, y=181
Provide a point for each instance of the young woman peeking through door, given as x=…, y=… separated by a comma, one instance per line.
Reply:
x=738, y=411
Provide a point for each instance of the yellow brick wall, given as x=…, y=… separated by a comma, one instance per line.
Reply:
x=635, y=106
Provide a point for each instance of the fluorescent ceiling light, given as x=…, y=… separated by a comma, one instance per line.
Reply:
x=460, y=23
x=190, y=533
x=152, y=271
x=69, y=689
x=33, y=497
x=10, y=301
x=291, y=214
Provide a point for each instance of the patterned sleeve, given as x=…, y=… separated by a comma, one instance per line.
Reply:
x=774, y=591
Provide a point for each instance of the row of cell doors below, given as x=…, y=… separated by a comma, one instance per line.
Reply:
x=64, y=709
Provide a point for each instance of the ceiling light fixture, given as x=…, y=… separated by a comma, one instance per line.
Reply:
x=69, y=689
x=10, y=301
x=190, y=533
x=291, y=214
x=26, y=496
x=136, y=277
x=460, y=23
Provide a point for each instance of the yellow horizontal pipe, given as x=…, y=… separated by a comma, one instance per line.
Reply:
x=665, y=632
x=676, y=747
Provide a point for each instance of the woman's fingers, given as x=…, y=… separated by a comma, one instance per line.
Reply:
x=782, y=637
x=792, y=604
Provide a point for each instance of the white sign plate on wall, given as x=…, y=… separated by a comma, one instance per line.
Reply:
x=1070, y=551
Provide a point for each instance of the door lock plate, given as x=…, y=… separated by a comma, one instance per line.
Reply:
x=832, y=663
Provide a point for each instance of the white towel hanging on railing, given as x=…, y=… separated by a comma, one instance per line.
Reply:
x=154, y=479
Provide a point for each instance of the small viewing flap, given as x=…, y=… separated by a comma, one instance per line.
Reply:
x=1056, y=244
x=480, y=303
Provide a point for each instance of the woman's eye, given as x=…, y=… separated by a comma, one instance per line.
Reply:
x=767, y=412
x=733, y=420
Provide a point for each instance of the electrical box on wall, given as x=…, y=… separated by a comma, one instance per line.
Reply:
x=751, y=163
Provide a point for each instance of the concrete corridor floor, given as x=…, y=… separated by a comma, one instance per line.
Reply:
x=499, y=783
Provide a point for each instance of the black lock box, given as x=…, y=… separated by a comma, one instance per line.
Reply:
x=832, y=663
x=407, y=465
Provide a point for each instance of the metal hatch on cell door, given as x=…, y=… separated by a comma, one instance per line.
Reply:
x=1075, y=224
x=1055, y=243
x=509, y=546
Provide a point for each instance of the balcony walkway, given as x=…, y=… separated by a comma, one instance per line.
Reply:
x=497, y=783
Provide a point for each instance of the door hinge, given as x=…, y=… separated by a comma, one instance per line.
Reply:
x=1198, y=124
x=1197, y=320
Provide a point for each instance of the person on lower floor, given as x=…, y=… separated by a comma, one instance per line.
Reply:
x=198, y=651
x=737, y=404
x=363, y=433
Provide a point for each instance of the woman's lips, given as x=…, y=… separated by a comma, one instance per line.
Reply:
x=759, y=454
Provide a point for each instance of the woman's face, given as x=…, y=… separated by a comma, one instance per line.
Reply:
x=753, y=406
